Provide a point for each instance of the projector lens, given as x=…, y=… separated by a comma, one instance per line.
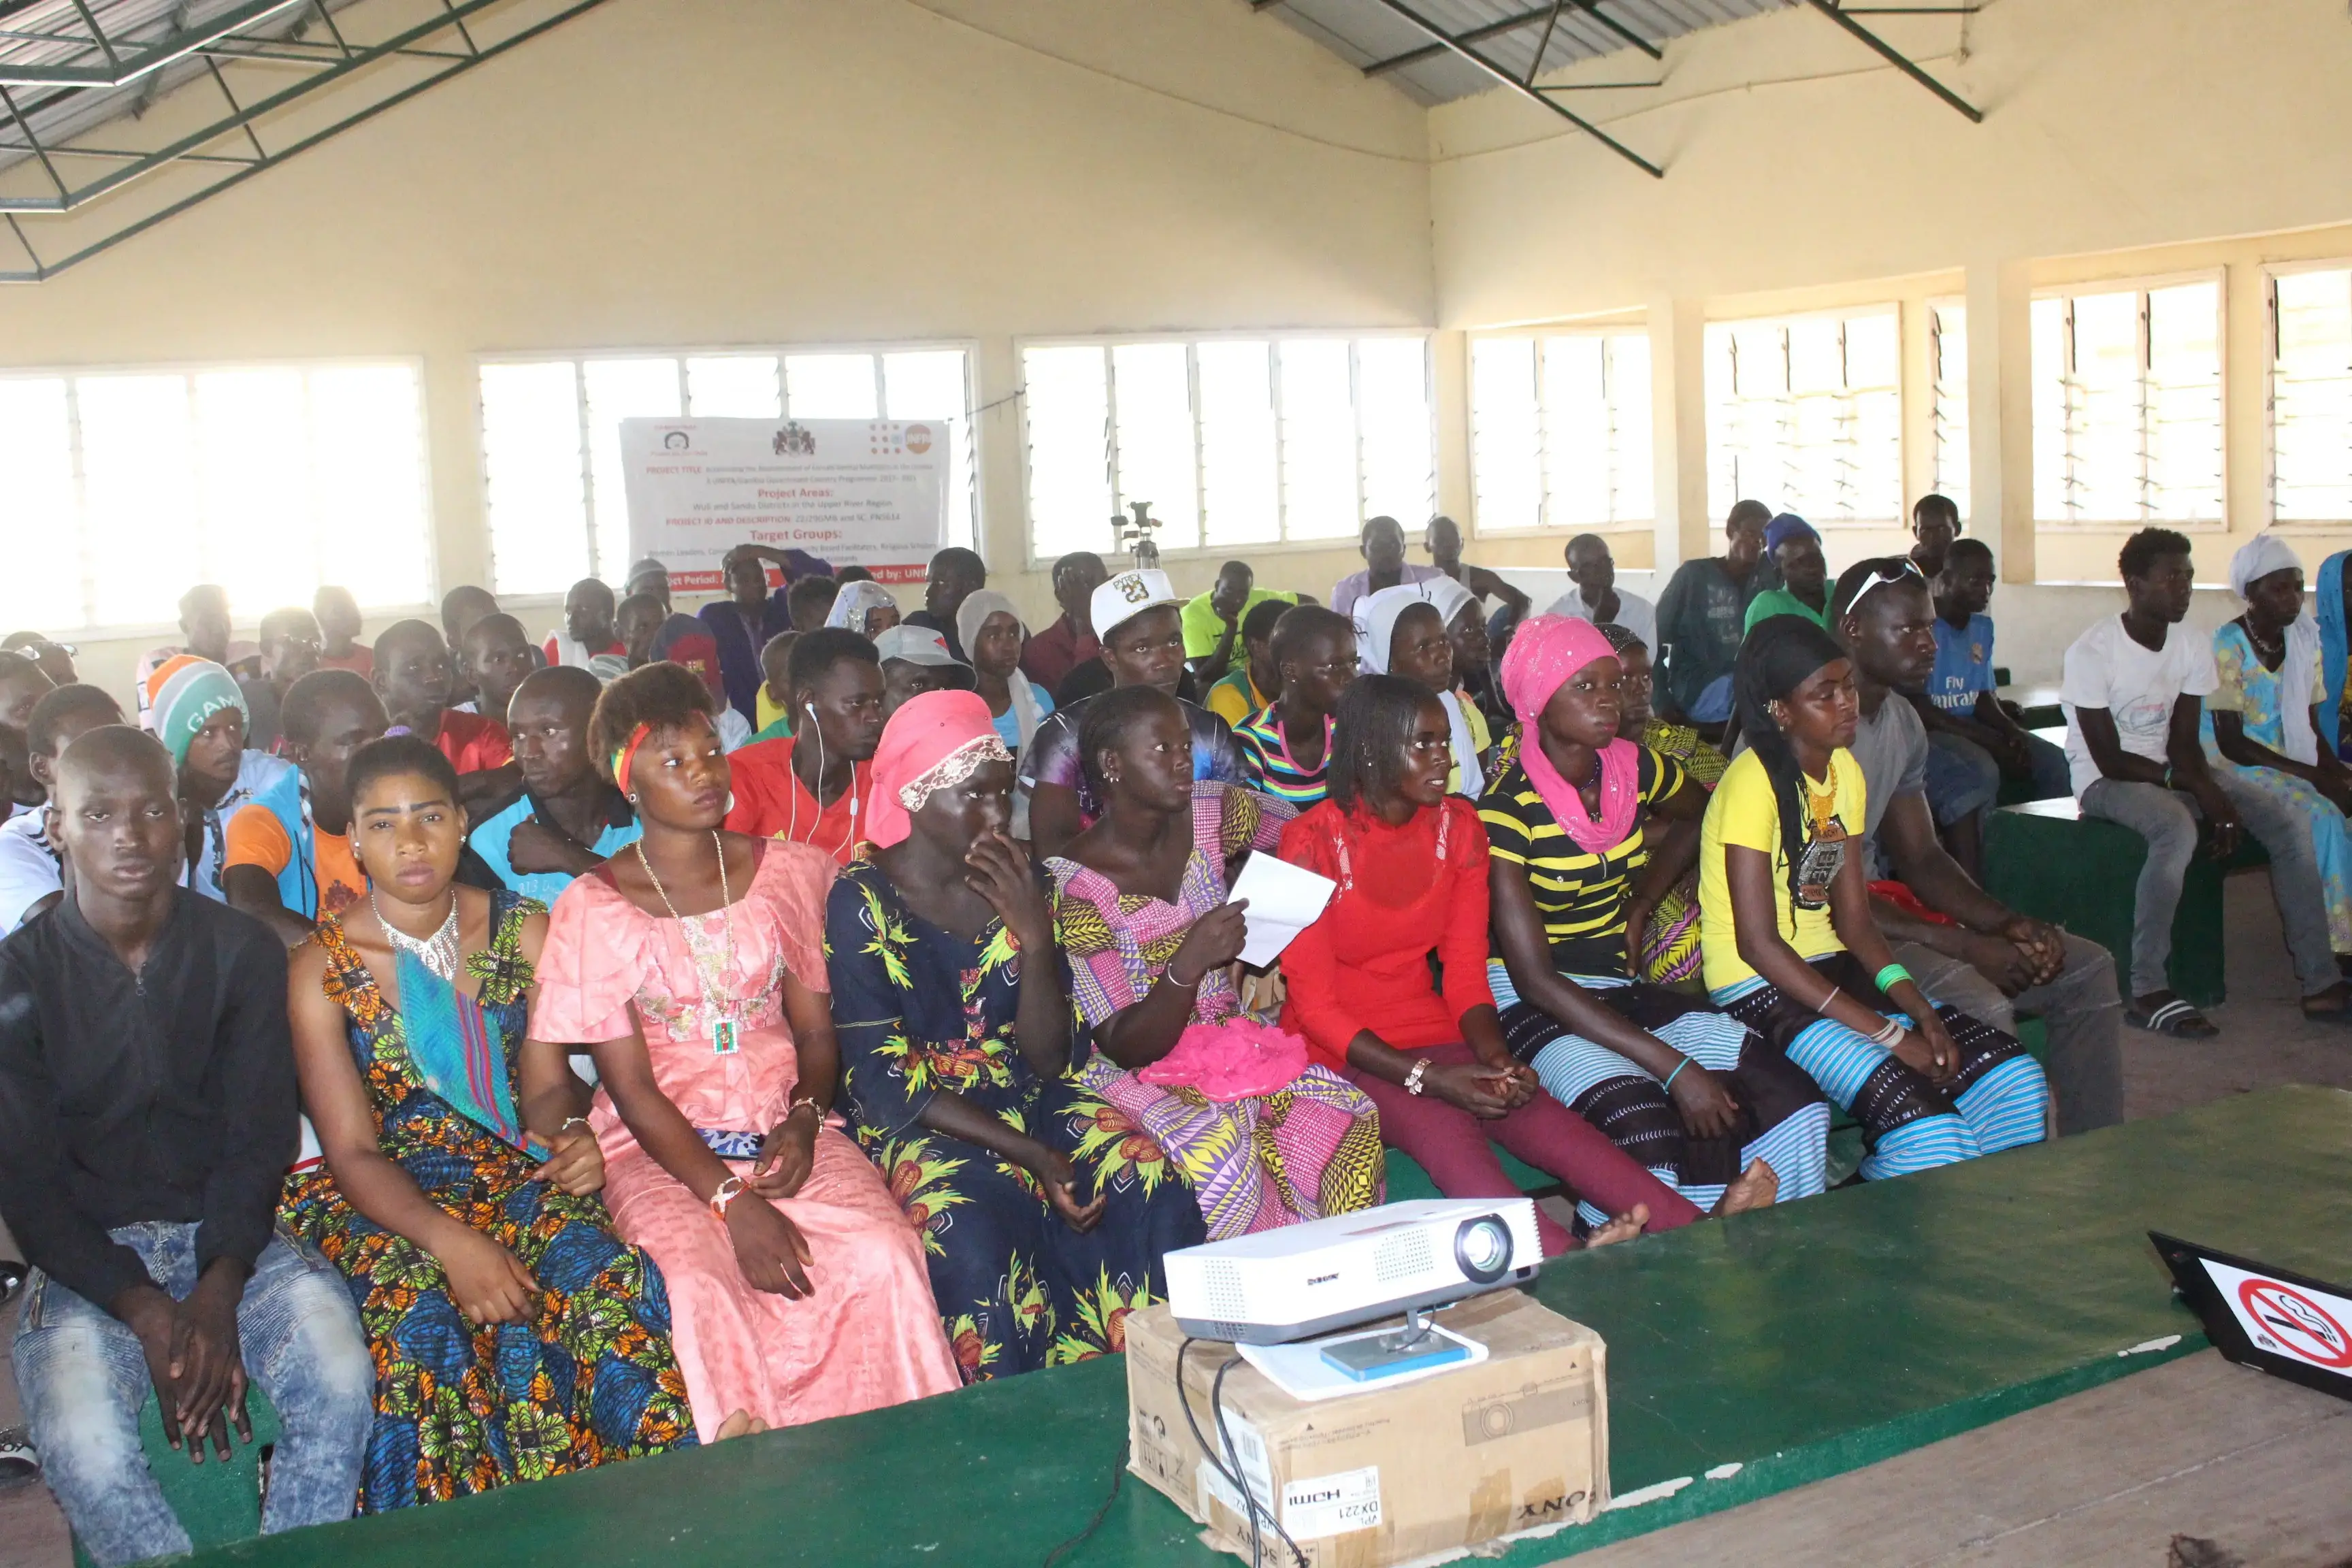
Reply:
x=1482, y=1247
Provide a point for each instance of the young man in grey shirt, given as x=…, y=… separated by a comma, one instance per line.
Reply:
x=1992, y=962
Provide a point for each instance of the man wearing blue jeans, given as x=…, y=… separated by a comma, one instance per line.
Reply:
x=147, y=1114
x=2134, y=695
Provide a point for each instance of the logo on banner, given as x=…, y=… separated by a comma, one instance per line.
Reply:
x=794, y=440
x=675, y=441
x=2285, y=1322
x=918, y=439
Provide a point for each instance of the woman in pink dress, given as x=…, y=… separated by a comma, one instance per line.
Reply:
x=693, y=962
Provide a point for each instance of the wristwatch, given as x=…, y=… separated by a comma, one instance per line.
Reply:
x=1412, y=1080
x=725, y=1192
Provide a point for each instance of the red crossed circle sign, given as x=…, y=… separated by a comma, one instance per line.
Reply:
x=2300, y=1326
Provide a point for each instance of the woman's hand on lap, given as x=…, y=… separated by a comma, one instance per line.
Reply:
x=1485, y=1092
x=489, y=1283
x=574, y=1163
x=1928, y=1050
x=769, y=1248
x=788, y=1155
x=1706, y=1107
x=1060, y=1180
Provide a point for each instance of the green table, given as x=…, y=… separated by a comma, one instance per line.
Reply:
x=1795, y=1344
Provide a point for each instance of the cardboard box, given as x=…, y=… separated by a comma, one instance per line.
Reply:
x=1384, y=1476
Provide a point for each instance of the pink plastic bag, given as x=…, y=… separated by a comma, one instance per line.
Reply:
x=1233, y=1060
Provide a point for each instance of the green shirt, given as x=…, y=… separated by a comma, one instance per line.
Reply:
x=1781, y=602
x=1203, y=626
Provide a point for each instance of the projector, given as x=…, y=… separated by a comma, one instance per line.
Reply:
x=1277, y=1286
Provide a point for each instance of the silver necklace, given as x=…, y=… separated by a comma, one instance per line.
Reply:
x=438, y=953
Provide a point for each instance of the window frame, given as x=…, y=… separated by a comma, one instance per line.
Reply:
x=1931, y=325
x=581, y=358
x=2271, y=273
x=2142, y=284
x=1899, y=309
x=188, y=370
x=1274, y=337
x=1545, y=527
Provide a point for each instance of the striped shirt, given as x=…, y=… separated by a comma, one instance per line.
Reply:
x=1579, y=895
x=1272, y=769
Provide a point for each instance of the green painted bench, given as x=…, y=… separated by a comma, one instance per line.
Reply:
x=1773, y=1349
x=2047, y=861
x=216, y=1502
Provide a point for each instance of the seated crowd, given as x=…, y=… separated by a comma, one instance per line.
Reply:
x=690, y=1025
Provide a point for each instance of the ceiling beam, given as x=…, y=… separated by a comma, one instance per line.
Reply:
x=1509, y=24
x=1534, y=95
x=122, y=70
x=1896, y=59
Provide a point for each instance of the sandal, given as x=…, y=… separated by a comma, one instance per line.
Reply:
x=2175, y=1018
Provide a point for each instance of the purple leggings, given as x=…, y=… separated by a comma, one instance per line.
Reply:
x=1455, y=1148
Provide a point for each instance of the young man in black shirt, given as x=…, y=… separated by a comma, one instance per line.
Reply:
x=147, y=1114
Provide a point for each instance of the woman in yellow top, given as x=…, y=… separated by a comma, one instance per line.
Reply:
x=1791, y=948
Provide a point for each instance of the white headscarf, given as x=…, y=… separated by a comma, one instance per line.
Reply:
x=970, y=617
x=1376, y=618
x=2257, y=558
x=850, y=604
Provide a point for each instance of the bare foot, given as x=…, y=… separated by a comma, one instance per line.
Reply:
x=1624, y=1227
x=1757, y=1188
x=741, y=1424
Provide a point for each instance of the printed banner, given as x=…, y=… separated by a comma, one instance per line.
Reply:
x=855, y=492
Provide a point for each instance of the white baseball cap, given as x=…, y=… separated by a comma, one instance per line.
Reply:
x=916, y=645
x=1127, y=596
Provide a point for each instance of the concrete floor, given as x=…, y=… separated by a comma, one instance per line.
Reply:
x=2264, y=1042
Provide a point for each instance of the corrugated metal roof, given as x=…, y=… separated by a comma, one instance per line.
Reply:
x=1366, y=31
x=52, y=33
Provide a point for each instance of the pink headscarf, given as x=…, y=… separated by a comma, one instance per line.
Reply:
x=931, y=742
x=1544, y=652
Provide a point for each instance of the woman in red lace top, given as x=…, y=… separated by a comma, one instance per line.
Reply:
x=1411, y=862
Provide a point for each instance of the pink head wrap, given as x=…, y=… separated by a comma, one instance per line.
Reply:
x=1545, y=651
x=931, y=742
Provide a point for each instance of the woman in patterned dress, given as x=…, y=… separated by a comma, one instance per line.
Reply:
x=515, y=1336
x=2263, y=718
x=1140, y=907
x=1045, y=1213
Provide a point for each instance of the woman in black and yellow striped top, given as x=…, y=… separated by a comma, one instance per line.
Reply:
x=1667, y=1078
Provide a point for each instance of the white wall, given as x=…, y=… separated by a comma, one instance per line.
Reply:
x=763, y=172
x=726, y=172
x=2122, y=138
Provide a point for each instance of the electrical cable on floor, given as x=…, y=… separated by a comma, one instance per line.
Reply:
x=1083, y=1536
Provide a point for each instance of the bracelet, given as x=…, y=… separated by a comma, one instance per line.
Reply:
x=1169, y=975
x=1890, y=975
x=572, y=1122
x=1889, y=1035
x=725, y=1192
x=1412, y=1080
x=799, y=1100
x=1825, y=1004
x=1676, y=1073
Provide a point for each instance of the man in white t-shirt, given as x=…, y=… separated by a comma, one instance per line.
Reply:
x=2134, y=694
x=1596, y=596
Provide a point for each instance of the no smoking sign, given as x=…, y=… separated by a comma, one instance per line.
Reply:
x=2296, y=1322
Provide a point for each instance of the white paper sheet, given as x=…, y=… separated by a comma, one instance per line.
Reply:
x=1284, y=900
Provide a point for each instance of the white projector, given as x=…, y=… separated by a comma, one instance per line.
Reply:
x=1306, y=1280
